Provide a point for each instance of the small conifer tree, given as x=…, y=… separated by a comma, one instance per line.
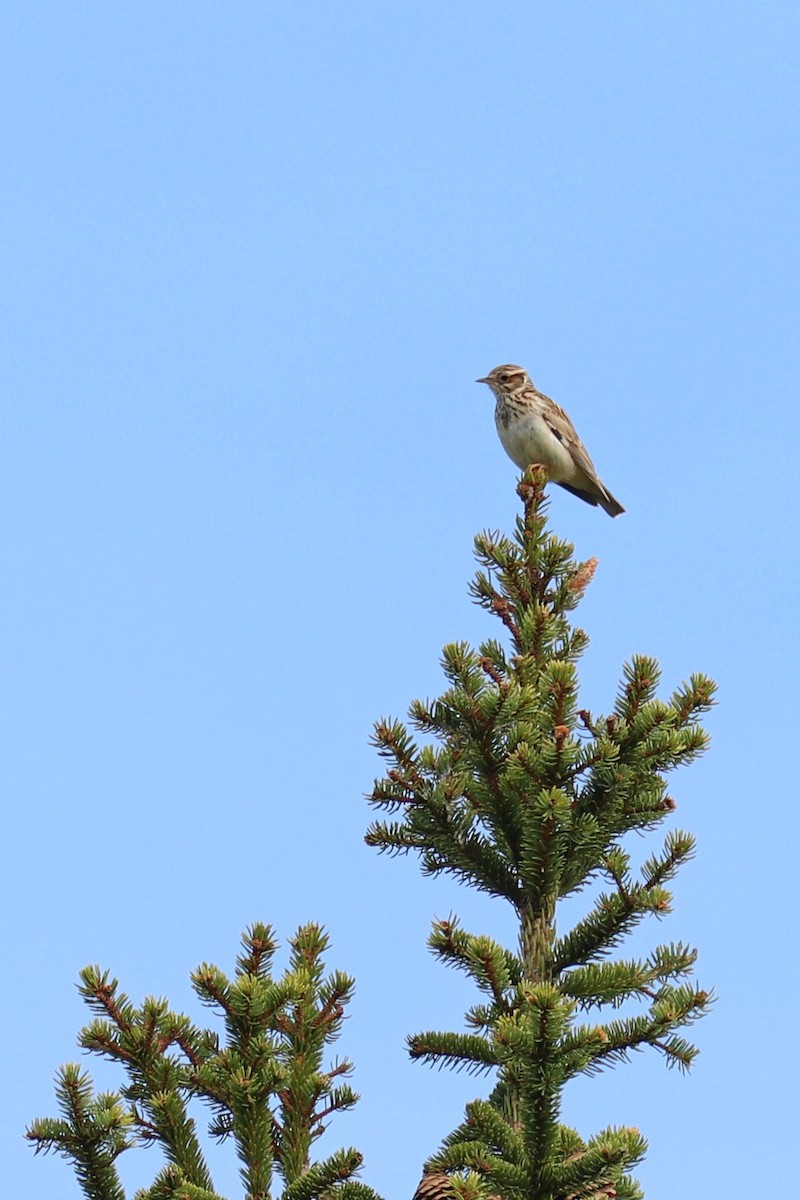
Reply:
x=529, y=798
x=517, y=792
x=264, y=1080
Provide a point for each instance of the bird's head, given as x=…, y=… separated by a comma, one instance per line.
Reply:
x=507, y=378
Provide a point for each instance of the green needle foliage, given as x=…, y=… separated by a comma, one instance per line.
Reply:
x=519, y=792
x=264, y=1080
x=515, y=791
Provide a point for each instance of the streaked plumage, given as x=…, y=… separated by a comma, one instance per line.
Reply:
x=534, y=429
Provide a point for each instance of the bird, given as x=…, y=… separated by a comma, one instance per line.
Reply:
x=535, y=430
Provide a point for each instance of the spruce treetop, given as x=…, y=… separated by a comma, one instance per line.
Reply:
x=508, y=784
x=521, y=793
x=264, y=1081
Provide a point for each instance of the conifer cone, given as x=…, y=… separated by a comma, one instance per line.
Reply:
x=434, y=1185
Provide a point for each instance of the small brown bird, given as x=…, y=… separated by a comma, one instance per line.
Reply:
x=534, y=429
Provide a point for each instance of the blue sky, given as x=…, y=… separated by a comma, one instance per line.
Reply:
x=254, y=256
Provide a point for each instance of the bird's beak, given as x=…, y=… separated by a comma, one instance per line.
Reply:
x=481, y=380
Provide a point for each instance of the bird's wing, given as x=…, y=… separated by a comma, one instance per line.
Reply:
x=562, y=428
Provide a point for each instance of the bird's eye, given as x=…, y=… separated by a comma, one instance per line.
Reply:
x=504, y=378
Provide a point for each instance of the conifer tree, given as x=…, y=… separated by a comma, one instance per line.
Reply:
x=516, y=791
x=522, y=794
x=264, y=1081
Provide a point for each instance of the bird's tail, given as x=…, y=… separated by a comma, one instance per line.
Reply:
x=610, y=504
x=596, y=495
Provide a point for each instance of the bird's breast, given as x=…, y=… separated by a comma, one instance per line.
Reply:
x=527, y=438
